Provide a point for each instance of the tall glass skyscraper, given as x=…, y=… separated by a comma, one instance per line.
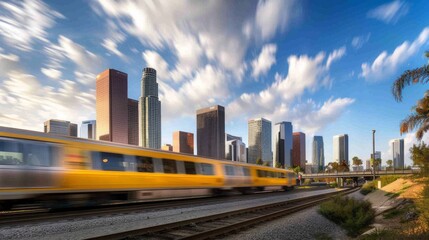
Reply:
x=298, y=152
x=283, y=144
x=87, y=129
x=149, y=111
x=259, y=141
x=211, y=132
x=318, y=152
x=398, y=153
x=341, y=148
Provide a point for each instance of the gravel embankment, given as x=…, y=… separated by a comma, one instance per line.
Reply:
x=81, y=228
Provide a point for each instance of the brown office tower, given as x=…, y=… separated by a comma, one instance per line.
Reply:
x=211, y=132
x=298, y=150
x=167, y=147
x=133, y=122
x=183, y=142
x=112, y=106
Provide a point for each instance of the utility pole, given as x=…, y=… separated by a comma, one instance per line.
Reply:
x=373, y=155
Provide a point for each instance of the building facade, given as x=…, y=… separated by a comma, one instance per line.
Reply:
x=133, y=122
x=341, y=148
x=318, y=153
x=112, y=106
x=149, y=111
x=211, y=132
x=283, y=144
x=60, y=127
x=398, y=153
x=87, y=129
x=298, y=150
x=235, y=149
x=167, y=147
x=183, y=142
x=259, y=141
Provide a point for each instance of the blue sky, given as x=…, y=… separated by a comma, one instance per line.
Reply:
x=326, y=66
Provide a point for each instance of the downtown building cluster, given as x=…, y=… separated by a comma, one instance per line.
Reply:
x=138, y=122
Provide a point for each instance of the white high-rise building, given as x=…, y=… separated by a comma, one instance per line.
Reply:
x=283, y=144
x=60, y=127
x=87, y=129
x=235, y=149
x=318, y=153
x=259, y=141
x=341, y=148
x=398, y=153
x=149, y=111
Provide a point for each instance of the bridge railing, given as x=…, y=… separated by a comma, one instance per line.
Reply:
x=363, y=173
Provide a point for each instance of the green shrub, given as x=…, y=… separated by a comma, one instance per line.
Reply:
x=385, y=180
x=367, y=188
x=333, y=184
x=351, y=214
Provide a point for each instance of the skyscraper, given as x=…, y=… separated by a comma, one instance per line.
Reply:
x=167, y=147
x=149, y=111
x=259, y=141
x=183, y=142
x=112, y=106
x=211, y=132
x=60, y=127
x=87, y=129
x=341, y=148
x=298, y=149
x=318, y=152
x=398, y=153
x=283, y=144
x=133, y=122
x=235, y=149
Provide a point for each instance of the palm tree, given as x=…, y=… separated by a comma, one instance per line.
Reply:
x=419, y=119
x=389, y=162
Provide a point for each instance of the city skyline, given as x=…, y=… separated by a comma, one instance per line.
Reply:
x=284, y=67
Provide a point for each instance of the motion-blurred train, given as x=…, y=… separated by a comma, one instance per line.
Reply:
x=58, y=170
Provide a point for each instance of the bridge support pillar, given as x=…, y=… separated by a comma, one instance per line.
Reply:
x=340, y=182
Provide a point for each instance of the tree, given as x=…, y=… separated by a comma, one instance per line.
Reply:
x=259, y=161
x=389, y=162
x=357, y=161
x=266, y=164
x=278, y=165
x=297, y=169
x=420, y=157
x=419, y=118
x=343, y=167
x=375, y=163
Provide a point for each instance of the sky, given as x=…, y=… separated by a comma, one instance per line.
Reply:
x=326, y=66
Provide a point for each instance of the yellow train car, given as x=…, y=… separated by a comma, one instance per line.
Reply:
x=52, y=169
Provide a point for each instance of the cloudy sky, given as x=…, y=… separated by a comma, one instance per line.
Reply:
x=326, y=66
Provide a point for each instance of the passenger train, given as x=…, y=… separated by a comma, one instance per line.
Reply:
x=54, y=170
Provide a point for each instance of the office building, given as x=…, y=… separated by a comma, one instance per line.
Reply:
x=318, y=153
x=259, y=131
x=341, y=148
x=398, y=153
x=211, y=132
x=183, y=142
x=112, y=106
x=60, y=127
x=283, y=144
x=167, y=147
x=235, y=149
x=298, y=150
x=149, y=111
x=133, y=122
x=87, y=129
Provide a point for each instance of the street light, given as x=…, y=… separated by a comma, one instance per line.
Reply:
x=373, y=155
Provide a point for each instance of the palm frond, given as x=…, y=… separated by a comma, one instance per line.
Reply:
x=417, y=75
x=422, y=130
x=411, y=122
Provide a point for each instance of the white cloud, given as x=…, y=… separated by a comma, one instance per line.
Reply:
x=110, y=45
x=52, y=73
x=265, y=60
x=359, y=41
x=385, y=65
x=154, y=60
x=273, y=15
x=336, y=54
x=21, y=23
x=389, y=12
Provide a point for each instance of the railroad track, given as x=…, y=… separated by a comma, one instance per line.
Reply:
x=220, y=224
x=38, y=215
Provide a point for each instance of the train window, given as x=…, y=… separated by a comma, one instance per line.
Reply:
x=190, y=168
x=282, y=175
x=207, y=169
x=144, y=164
x=169, y=166
x=11, y=153
x=246, y=171
x=262, y=173
x=38, y=155
x=229, y=170
x=108, y=161
x=130, y=163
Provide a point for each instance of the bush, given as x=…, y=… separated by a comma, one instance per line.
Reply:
x=367, y=188
x=351, y=214
x=385, y=180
